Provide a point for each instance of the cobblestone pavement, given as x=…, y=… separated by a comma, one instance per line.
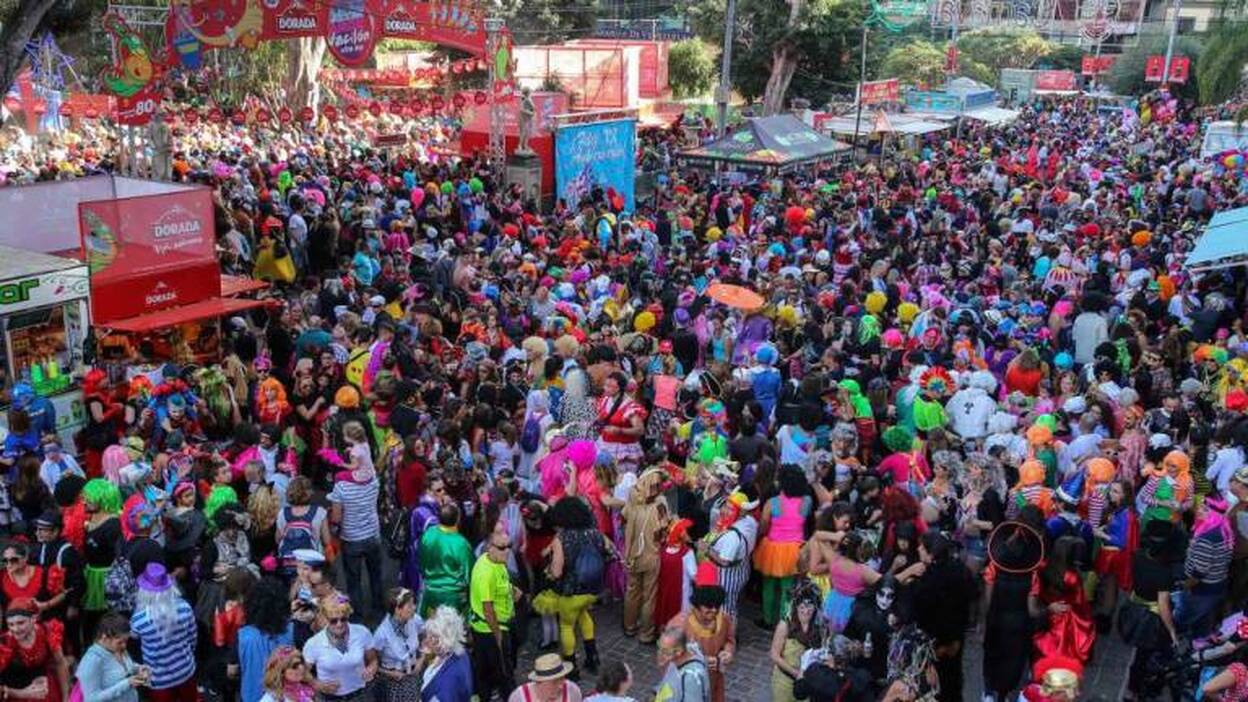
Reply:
x=749, y=677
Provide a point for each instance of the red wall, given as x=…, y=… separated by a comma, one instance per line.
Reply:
x=543, y=145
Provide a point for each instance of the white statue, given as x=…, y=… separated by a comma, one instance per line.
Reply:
x=524, y=123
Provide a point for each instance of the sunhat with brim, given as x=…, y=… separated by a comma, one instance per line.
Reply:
x=550, y=666
x=1014, y=547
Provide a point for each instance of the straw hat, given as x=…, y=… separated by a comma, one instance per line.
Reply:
x=550, y=666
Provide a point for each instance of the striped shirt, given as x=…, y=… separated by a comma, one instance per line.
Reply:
x=359, y=509
x=1208, y=558
x=171, y=658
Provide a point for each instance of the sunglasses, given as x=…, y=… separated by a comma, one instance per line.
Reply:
x=13, y=559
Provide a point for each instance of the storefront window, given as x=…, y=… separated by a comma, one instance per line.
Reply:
x=40, y=346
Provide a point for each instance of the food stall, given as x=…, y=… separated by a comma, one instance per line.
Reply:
x=44, y=319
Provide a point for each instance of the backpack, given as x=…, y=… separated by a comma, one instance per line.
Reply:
x=531, y=435
x=589, y=566
x=120, y=585
x=299, y=534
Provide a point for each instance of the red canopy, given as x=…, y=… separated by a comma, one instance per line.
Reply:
x=212, y=307
x=232, y=285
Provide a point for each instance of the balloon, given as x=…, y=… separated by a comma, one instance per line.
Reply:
x=447, y=188
x=476, y=186
x=418, y=197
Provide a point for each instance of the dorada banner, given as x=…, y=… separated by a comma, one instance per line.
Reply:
x=351, y=27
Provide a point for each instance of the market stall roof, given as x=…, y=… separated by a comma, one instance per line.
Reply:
x=19, y=263
x=780, y=142
x=992, y=115
x=232, y=285
x=204, y=309
x=1224, y=243
x=902, y=123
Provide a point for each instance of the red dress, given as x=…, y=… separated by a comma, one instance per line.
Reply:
x=19, y=667
x=36, y=588
x=1072, y=632
x=671, y=585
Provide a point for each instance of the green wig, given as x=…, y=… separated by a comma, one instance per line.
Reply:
x=898, y=439
x=220, y=496
x=103, y=494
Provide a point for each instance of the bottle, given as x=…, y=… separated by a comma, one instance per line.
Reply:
x=36, y=373
x=866, y=646
x=54, y=368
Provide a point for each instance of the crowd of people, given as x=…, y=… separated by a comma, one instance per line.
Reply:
x=980, y=402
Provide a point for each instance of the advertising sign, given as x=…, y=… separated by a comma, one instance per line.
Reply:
x=352, y=27
x=878, y=91
x=1096, y=65
x=149, y=253
x=596, y=155
x=351, y=36
x=1155, y=66
x=1058, y=81
x=928, y=101
x=43, y=290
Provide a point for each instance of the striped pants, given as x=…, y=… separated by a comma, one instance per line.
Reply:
x=733, y=581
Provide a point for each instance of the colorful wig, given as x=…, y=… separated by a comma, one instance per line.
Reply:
x=103, y=494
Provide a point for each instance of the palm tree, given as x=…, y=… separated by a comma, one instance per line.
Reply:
x=1221, y=72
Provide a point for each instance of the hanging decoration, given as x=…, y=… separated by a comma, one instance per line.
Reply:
x=134, y=75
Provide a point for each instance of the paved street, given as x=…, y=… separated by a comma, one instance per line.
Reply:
x=749, y=678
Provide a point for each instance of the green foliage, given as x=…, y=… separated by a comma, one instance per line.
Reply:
x=690, y=68
x=1063, y=57
x=918, y=61
x=548, y=21
x=1127, y=75
x=258, y=71
x=826, y=41
x=1220, y=71
x=391, y=45
x=995, y=49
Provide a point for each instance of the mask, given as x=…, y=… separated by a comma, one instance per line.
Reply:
x=884, y=598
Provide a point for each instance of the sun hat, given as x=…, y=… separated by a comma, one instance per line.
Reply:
x=549, y=666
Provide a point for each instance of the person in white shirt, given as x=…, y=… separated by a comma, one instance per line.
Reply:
x=1089, y=331
x=342, y=654
x=397, y=643
x=57, y=464
x=1222, y=468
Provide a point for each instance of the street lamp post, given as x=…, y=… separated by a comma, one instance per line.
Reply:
x=497, y=145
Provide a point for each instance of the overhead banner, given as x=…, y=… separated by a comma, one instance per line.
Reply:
x=1155, y=68
x=351, y=27
x=879, y=91
x=149, y=253
x=1096, y=65
x=596, y=155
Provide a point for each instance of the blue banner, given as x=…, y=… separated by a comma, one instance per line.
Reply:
x=598, y=154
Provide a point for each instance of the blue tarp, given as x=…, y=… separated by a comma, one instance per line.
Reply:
x=1224, y=243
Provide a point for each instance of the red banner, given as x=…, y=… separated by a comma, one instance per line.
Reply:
x=138, y=109
x=879, y=91
x=1096, y=65
x=1180, y=69
x=1058, y=81
x=1154, y=67
x=149, y=253
x=352, y=27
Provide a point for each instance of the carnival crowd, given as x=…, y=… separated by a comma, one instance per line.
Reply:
x=981, y=403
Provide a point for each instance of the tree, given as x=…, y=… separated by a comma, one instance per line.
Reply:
x=814, y=56
x=690, y=68
x=304, y=58
x=19, y=23
x=1127, y=75
x=918, y=61
x=1220, y=70
x=548, y=21
x=1002, y=48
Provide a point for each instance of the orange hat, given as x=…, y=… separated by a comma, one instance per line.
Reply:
x=1039, y=435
